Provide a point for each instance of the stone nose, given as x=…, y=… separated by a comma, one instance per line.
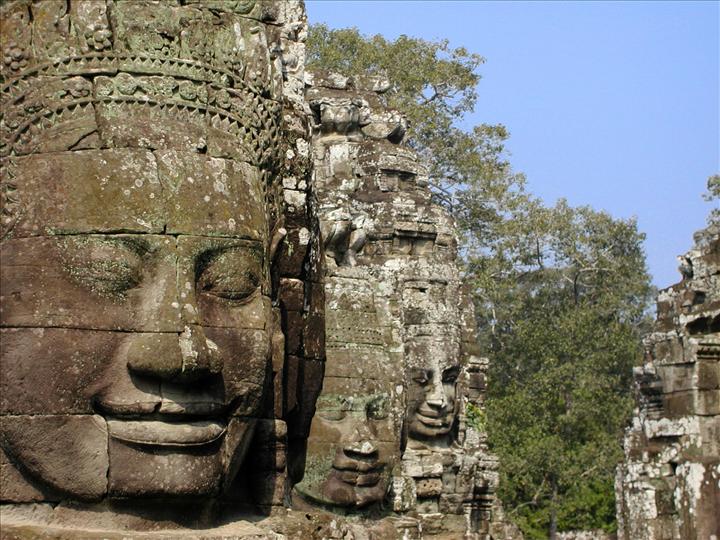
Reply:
x=365, y=447
x=436, y=397
x=186, y=356
x=361, y=440
x=167, y=300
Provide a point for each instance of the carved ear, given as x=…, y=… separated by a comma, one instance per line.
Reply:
x=277, y=237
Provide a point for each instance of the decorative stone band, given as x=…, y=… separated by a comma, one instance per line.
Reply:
x=708, y=350
x=109, y=63
x=236, y=118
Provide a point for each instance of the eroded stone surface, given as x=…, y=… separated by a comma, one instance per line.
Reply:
x=669, y=484
x=69, y=453
x=402, y=364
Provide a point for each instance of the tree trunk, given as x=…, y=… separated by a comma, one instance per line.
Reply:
x=553, y=510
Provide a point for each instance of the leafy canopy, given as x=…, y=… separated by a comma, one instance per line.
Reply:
x=562, y=325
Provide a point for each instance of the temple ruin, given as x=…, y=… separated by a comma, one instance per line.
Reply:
x=232, y=307
x=668, y=487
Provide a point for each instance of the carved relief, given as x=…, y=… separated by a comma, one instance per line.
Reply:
x=392, y=282
x=432, y=355
x=354, y=440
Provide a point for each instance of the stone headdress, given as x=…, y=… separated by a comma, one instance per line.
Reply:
x=190, y=75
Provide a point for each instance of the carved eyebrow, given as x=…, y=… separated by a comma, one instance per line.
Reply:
x=207, y=254
x=352, y=403
x=139, y=245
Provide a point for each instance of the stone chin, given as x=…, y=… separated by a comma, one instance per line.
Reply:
x=357, y=477
x=152, y=458
x=89, y=457
x=349, y=480
x=343, y=488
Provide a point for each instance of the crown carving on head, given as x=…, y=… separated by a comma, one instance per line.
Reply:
x=191, y=74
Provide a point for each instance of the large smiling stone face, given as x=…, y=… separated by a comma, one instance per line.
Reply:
x=136, y=320
x=139, y=146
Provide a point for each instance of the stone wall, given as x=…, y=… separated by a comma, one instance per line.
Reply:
x=669, y=485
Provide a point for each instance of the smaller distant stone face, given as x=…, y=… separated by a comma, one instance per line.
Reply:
x=354, y=437
x=402, y=363
x=353, y=447
x=432, y=350
x=669, y=484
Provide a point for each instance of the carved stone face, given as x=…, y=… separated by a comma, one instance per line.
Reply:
x=432, y=356
x=136, y=320
x=432, y=405
x=354, y=444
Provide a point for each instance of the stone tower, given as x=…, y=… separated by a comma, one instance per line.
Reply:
x=668, y=488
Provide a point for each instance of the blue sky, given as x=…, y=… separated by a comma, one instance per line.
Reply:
x=610, y=104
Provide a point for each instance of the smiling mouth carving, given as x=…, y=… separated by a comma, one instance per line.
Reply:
x=358, y=469
x=164, y=433
x=433, y=422
x=433, y=419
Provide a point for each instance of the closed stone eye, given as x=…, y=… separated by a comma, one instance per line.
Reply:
x=232, y=274
x=106, y=266
x=332, y=416
x=421, y=377
x=450, y=376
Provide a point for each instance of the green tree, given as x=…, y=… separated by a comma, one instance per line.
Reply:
x=563, y=327
x=560, y=292
x=713, y=195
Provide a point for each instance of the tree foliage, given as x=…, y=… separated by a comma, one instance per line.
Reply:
x=713, y=195
x=561, y=293
x=562, y=325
